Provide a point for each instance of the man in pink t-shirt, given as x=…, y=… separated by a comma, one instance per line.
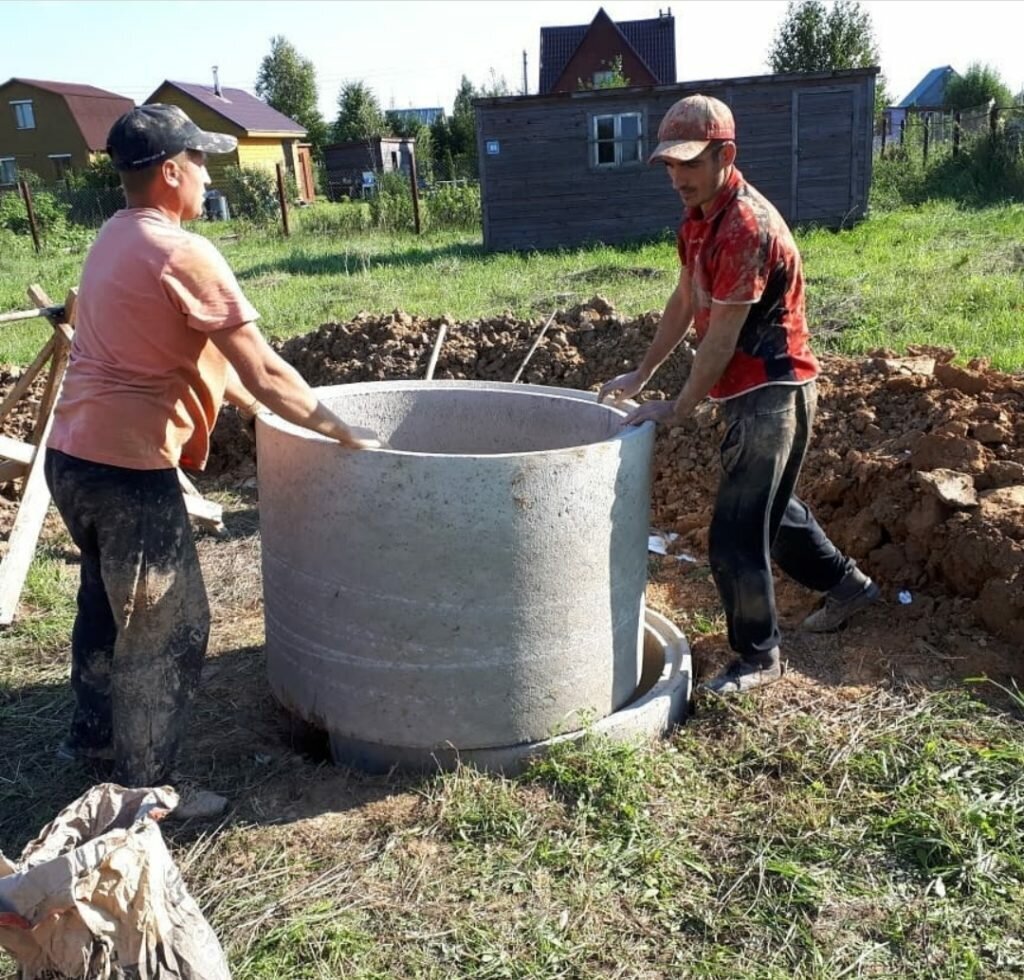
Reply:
x=163, y=337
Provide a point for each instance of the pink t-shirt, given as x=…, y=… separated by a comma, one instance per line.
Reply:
x=145, y=382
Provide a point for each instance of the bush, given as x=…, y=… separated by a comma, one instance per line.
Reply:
x=987, y=171
x=391, y=205
x=251, y=193
x=50, y=214
x=324, y=218
x=455, y=207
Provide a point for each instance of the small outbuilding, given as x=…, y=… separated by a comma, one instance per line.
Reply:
x=566, y=169
x=353, y=165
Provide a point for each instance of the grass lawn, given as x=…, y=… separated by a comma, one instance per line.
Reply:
x=934, y=275
x=841, y=824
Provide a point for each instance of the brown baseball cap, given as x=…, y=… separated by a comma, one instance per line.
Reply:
x=690, y=125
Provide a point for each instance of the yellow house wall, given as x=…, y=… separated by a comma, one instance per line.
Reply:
x=253, y=151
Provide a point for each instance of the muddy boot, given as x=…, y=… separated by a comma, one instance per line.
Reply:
x=744, y=675
x=854, y=593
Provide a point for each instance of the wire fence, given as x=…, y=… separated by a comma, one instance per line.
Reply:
x=924, y=132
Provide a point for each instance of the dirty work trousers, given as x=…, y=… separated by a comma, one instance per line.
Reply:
x=143, y=618
x=757, y=516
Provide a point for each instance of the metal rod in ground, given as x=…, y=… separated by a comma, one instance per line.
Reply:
x=536, y=343
x=436, y=351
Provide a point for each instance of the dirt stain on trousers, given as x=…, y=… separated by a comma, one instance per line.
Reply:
x=143, y=619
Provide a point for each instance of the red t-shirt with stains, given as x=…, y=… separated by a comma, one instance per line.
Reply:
x=739, y=250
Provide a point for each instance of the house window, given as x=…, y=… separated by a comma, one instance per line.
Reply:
x=61, y=164
x=24, y=117
x=8, y=171
x=617, y=140
x=603, y=78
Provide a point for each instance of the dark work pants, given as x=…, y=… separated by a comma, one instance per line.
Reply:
x=143, y=618
x=757, y=516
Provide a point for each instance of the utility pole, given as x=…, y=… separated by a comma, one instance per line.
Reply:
x=526, y=87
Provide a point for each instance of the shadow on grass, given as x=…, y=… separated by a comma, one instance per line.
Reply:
x=240, y=743
x=349, y=261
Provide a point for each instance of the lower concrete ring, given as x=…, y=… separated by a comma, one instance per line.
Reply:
x=659, y=704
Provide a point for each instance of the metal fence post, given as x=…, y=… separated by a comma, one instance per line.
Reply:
x=927, y=130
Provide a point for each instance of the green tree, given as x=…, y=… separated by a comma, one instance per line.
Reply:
x=616, y=79
x=359, y=115
x=976, y=87
x=816, y=37
x=287, y=81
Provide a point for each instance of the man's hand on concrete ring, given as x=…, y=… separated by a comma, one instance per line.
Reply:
x=658, y=411
x=624, y=387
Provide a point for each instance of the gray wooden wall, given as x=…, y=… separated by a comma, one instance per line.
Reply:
x=803, y=140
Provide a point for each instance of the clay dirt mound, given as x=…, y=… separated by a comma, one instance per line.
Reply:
x=882, y=420
x=893, y=435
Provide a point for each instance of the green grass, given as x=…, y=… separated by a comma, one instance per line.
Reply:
x=936, y=274
x=884, y=840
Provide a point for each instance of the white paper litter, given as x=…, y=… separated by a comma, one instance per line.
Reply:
x=658, y=542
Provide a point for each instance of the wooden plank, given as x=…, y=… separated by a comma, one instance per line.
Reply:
x=203, y=511
x=21, y=546
x=11, y=471
x=25, y=381
x=14, y=449
x=61, y=355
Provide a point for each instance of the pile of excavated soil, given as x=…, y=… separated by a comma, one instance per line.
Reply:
x=882, y=421
x=916, y=467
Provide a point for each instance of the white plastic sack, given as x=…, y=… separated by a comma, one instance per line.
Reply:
x=96, y=896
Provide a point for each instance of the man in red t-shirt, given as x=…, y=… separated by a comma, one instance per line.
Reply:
x=741, y=288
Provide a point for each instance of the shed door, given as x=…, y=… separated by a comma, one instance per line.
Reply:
x=823, y=150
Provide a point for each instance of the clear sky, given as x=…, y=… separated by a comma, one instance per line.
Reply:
x=413, y=52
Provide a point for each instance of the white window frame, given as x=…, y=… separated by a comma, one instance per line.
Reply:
x=617, y=142
x=61, y=156
x=16, y=105
x=14, y=171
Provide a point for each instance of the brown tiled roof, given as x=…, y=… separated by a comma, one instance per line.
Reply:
x=94, y=109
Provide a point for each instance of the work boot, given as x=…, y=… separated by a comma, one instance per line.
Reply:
x=744, y=675
x=854, y=593
x=70, y=751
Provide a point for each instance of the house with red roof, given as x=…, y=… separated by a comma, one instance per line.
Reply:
x=52, y=127
x=265, y=136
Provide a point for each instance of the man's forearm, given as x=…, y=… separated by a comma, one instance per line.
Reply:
x=675, y=322
x=709, y=365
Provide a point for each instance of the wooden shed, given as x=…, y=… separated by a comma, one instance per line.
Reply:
x=349, y=161
x=566, y=169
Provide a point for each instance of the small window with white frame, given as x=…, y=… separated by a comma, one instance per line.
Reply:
x=602, y=78
x=617, y=140
x=8, y=170
x=24, y=114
